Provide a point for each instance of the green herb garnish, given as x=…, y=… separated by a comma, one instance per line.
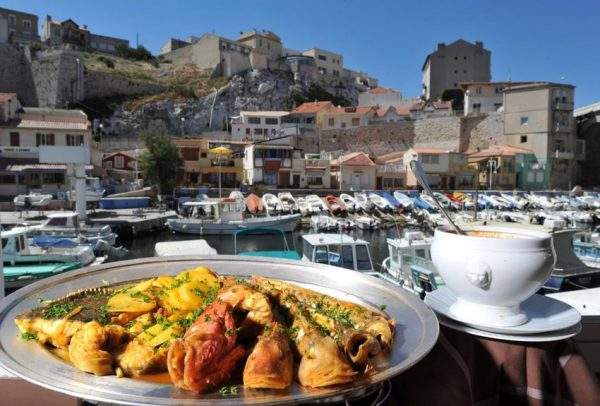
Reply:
x=28, y=336
x=58, y=310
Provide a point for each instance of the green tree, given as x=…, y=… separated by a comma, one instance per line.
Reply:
x=161, y=161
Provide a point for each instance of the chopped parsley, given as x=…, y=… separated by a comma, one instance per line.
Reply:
x=28, y=336
x=103, y=316
x=336, y=313
x=140, y=295
x=58, y=310
x=382, y=307
x=228, y=390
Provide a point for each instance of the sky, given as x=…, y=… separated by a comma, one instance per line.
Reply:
x=543, y=40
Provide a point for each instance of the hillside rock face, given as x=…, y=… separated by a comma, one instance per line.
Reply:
x=253, y=90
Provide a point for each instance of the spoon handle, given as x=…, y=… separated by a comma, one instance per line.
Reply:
x=419, y=172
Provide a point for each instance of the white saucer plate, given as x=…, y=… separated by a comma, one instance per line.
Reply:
x=528, y=338
x=544, y=314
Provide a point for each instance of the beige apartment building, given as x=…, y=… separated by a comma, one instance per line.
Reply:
x=21, y=27
x=354, y=171
x=266, y=47
x=260, y=126
x=445, y=169
x=450, y=64
x=345, y=117
x=328, y=63
x=539, y=117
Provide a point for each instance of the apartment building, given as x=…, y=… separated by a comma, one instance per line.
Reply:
x=445, y=169
x=318, y=170
x=328, y=63
x=354, y=171
x=424, y=109
x=23, y=131
x=391, y=172
x=539, y=117
x=274, y=165
x=345, y=117
x=309, y=112
x=485, y=97
x=261, y=125
x=266, y=47
x=69, y=34
x=21, y=28
x=450, y=64
x=380, y=96
x=387, y=115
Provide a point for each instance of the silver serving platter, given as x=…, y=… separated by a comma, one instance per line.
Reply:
x=416, y=330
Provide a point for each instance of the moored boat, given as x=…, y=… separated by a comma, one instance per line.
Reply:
x=335, y=205
x=349, y=201
x=339, y=250
x=32, y=200
x=254, y=204
x=288, y=203
x=271, y=204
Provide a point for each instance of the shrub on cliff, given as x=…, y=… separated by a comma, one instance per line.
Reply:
x=161, y=161
x=316, y=92
x=137, y=54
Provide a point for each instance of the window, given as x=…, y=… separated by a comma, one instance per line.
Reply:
x=44, y=139
x=464, y=71
x=271, y=121
x=343, y=124
x=119, y=162
x=455, y=71
x=258, y=131
x=247, y=131
x=363, y=262
x=478, y=90
x=53, y=178
x=524, y=120
x=108, y=164
x=253, y=120
x=27, y=24
x=321, y=255
x=355, y=121
x=497, y=105
x=498, y=90
x=203, y=155
x=455, y=84
x=14, y=140
x=74, y=140
x=12, y=19
x=331, y=122
x=322, y=57
x=465, y=58
x=476, y=107
x=7, y=179
x=456, y=58
x=523, y=139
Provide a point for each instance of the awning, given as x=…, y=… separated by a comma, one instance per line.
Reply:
x=41, y=167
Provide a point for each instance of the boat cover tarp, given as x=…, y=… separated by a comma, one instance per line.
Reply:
x=12, y=272
x=272, y=254
x=390, y=199
x=46, y=241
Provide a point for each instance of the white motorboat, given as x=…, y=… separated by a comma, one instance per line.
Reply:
x=511, y=217
x=519, y=202
x=272, y=204
x=67, y=225
x=234, y=194
x=362, y=202
x=225, y=216
x=288, y=203
x=323, y=222
x=379, y=202
x=404, y=200
x=93, y=190
x=446, y=202
x=345, y=223
x=187, y=247
x=590, y=200
x=16, y=250
x=409, y=263
x=315, y=204
x=428, y=199
x=302, y=206
x=339, y=250
x=365, y=222
x=32, y=200
x=349, y=201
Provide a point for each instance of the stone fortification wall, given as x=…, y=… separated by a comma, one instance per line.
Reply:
x=483, y=130
x=58, y=78
x=104, y=84
x=15, y=75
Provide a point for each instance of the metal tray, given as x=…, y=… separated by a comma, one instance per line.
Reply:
x=416, y=330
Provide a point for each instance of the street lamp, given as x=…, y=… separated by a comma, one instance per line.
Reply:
x=182, y=126
x=492, y=166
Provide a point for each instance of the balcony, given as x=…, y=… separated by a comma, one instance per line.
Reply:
x=561, y=105
x=564, y=154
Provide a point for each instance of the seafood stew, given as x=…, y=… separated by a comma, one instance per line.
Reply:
x=209, y=331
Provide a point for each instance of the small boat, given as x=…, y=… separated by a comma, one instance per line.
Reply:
x=349, y=201
x=345, y=223
x=67, y=225
x=315, y=203
x=339, y=250
x=446, y=202
x=335, y=205
x=32, y=200
x=93, y=190
x=302, y=206
x=254, y=204
x=288, y=203
x=323, y=222
x=586, y=246
x=271, y=204
x=409, y=263
x=516, y=200
x=390, y=199
x=18, y=251
x=187, y=247
x=17, y=276
x=225, y=216
x=379, y=202
x=236, y=195
x=422, y=204
x=365, y=222
x=112, y=203
x=284, y=253
x=404, y=200
x=362, y=202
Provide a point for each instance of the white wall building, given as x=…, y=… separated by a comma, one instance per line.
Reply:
x=380, y=96
x=260, y=125
x=328, y=63
x=485, y=97
x=274, y=165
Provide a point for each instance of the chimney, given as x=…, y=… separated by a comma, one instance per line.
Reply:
x=441, y=45
x=479, y=44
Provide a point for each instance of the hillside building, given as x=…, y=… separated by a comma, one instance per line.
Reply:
x=21, y=28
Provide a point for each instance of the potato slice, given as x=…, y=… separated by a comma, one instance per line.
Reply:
x=200, y=274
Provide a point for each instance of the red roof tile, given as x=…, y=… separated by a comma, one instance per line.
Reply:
x=356, y=159
x=500, y=150
x=312, y=107
x=430, y=150
x=6, y=96
x=380, y=90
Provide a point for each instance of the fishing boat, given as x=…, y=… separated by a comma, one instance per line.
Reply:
x=254, y=204
x=284, y=253
x=344, y=223
x=271, y=204
x=404, y=200
x=225, y=216
x=422, y=204
x=288, y=203
x=339, y=250
x=236, y=195
x=349, y=201
x=187, y=247
x=519, y=202
x=16, y=250
x=366, y=222
x=303, y=207
x=362, y=202
x=379, y=202
x=390, y=199
x=323, y=222
x=586, y=246
x=67, y=225
x=93, y=190
x=315, y=203
x=32, y=200
x=409, y=263
x=335, y=205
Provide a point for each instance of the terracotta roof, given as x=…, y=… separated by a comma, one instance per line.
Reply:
x=403, y=110
x=392, y=156
x=424, y=150
x=500, y=150
x=356, y=159
x=312, y=107
x=380, y=90
x=438, y=105
x=6, y=96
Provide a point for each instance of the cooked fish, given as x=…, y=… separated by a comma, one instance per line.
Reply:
x=271, y=362
x=139, y=357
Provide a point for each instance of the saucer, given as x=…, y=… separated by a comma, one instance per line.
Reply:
x=544, y=314
x=529, y=338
